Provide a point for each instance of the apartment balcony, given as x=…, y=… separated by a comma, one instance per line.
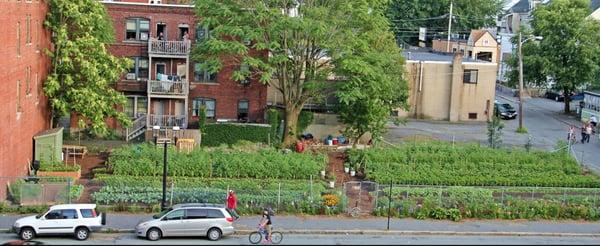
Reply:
x=167, y=120
x=166, y=48
x=168, y=88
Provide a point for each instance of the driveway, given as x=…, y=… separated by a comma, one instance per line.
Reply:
x=543, y=118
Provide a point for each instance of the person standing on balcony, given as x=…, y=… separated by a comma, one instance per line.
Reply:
x=186, y=40
x=161, y=36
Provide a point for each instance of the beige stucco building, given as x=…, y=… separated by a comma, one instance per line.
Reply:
x=481, y=45
x=449, y=87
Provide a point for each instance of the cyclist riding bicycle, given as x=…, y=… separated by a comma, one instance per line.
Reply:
x=265, y=222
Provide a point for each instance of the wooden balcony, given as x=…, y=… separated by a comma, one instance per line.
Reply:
x=168, y=48
x=173, y=88
x=168, y=120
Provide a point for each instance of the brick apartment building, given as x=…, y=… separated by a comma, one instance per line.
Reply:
x=165, y=87
x=23, y=107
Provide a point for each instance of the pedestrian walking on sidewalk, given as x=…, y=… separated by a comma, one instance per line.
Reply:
x=583, y=133
x=571, y=135
x=232, y=204
x=588, y=132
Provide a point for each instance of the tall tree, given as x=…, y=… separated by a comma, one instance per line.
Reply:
x=374, y=83
x=407, y=16
x=569, y=51
x=303, y=41
x=534, y=65
x=82, y=68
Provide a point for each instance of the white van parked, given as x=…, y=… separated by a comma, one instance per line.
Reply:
x=75, y=219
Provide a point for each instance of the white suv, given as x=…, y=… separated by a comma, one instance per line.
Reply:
x=77, y=219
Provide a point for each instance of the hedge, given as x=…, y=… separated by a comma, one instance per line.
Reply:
x=217, y=134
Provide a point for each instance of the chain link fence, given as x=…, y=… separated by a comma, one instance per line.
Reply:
x=546, y=202
x=283, y=196
x=25, y=191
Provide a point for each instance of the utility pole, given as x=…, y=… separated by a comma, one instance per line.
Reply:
x=449, y=28
x=520, y=83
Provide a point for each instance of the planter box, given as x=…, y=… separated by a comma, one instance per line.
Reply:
x=74, y=174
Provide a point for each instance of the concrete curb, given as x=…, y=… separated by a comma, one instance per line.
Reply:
x=393, y=232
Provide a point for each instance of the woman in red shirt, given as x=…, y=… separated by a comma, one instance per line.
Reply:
x=232, y=204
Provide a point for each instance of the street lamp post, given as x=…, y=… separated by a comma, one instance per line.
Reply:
x=521, y=42
x=155, y=133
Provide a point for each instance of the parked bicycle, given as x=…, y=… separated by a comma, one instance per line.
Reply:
x=257, y=236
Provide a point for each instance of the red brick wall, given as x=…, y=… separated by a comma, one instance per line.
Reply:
x=226, y=92
x=16, y=142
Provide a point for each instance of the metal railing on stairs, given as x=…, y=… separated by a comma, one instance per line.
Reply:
x=136, y=129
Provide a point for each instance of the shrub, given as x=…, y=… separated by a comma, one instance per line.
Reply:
x=217, y=134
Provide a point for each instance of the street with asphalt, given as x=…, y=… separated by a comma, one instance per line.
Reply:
x=370, y=230
x=543, y=118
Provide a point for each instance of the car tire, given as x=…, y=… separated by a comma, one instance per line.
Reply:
x=27, y=233
x=82, y=233
x=153, y=234
x=214, y=234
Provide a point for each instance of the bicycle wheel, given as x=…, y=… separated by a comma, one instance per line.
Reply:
x=355, y=212
x=276, y=237
x=255, y=237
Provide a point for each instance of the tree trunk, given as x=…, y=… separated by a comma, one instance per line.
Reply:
x=356, y=140
x=567, y=103
x=291, y=124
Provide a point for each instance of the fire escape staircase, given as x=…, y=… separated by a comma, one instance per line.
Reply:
x=137, y=128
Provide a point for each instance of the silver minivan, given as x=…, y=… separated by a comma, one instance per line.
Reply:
x=188, y=220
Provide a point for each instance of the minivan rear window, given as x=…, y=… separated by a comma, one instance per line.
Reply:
x=214, y=213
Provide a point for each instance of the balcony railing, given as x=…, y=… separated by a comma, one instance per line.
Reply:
x=168, y=120
x=168, y=87
x=163, y=47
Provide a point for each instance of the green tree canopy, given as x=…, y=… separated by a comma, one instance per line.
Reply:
x=374, y=84
x=569, y=53
x=407, y=16
x=82, y=68
x=303, y=41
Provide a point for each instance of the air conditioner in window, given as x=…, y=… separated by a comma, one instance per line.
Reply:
x=131, y=76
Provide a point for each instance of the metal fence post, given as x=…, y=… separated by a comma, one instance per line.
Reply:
x=172, y=190
x=564, y=196
x=502, y=196
x=279, y=197
x=532, y=193
x=311, y=189
x=69, y=190
x=389, y=206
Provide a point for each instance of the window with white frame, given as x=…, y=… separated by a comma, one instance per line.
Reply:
x=470, y=76
x=242, y=109
x=139, y=70
x=201, y=75
x=209, y=107
x=137, y=29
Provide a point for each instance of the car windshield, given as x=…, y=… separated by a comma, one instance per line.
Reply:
x=41, y=214
x=161, y=214
x=507, y=106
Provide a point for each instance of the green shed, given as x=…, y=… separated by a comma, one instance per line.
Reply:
x=47, y=145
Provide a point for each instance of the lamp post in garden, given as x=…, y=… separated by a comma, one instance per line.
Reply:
x=155, y=134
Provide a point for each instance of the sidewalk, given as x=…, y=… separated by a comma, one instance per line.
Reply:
x=372, y=225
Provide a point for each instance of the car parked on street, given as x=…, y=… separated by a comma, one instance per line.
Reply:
x=192, y=219
x=505, y=111
x=75, y=219
x=554, y=95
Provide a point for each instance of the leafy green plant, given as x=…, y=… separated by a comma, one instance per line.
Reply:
x=440, y=163
x=217, y=134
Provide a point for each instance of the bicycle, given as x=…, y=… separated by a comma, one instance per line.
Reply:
x=355, y=211
x=257, y=236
